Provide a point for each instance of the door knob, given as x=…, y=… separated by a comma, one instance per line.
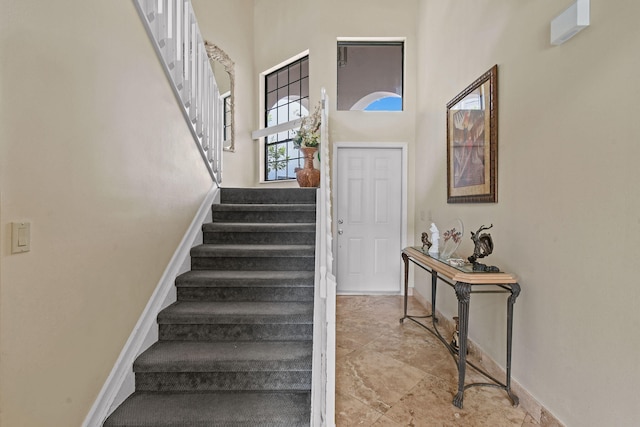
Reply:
x=340, y=232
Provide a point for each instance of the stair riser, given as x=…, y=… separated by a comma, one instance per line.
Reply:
x=279, y=294
x=235, y=332
x=185, y=281
x=214, y=381
x=257, y=238
x=253, y=263
x=275, y=195
x=264, y=216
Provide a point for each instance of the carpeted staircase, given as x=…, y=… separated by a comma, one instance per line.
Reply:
x=236, y=347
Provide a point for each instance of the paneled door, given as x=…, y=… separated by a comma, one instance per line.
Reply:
x=369, y=220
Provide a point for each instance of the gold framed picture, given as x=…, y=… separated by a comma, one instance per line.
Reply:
x=472, y=142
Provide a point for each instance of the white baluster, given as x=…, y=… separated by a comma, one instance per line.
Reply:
x=148, y=8
x=202, y=93
x=186, y=43
x=199, y=87
x=174, y=31
x=170, y=13
x=193, y=113
x=219, y=128
x=178, y=76
x=170, y=48
x=215, y=117
x=206, y=112
x=215, y=120
x=161, y=26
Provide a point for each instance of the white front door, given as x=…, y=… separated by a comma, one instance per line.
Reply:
x=369, y=219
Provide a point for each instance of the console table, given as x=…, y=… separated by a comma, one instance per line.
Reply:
x=465, y=282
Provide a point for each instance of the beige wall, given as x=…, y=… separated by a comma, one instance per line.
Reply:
x=288, y=27
x=96, y=155
x=229, y=25
x=567, y=219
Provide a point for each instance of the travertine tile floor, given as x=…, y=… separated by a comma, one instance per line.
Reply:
x=390, y=374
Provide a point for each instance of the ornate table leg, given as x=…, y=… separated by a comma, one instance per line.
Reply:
x=434, y=287
x=515, y=291
x=463, y=293
x=405, y=258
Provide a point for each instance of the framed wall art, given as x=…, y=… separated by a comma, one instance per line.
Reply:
x=472, y=142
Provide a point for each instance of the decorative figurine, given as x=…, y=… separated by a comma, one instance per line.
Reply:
x=455, y=339
x=425, y=241
x=435, y=237
x=483, y=246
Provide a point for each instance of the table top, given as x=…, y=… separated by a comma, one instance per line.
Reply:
x=458, y=274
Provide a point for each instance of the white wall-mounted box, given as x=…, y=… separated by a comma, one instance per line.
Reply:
x=570, y=22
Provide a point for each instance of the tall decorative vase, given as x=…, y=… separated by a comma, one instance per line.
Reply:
x=308, y=176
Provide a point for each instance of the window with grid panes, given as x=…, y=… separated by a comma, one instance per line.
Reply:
x=286, y=99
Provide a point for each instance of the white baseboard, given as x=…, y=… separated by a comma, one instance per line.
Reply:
x=121, y=382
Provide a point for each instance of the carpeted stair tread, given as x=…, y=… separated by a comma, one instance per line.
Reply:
x=264, y=213
x=176, y=356
x=233, y=409
x=215, y=278
x=260, y=227
x=252, y=207
x=271, y=195
x=260, y=233
x=212, y=250
x=206, y=312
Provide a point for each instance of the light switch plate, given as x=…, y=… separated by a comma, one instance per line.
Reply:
x=20, y=237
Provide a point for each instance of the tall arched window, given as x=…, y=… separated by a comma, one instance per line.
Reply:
x=286, y=99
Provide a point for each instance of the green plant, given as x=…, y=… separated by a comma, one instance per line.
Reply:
x=277, y=158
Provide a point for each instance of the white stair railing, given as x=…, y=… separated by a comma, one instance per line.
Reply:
x=175, y=35
x=324, y=339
